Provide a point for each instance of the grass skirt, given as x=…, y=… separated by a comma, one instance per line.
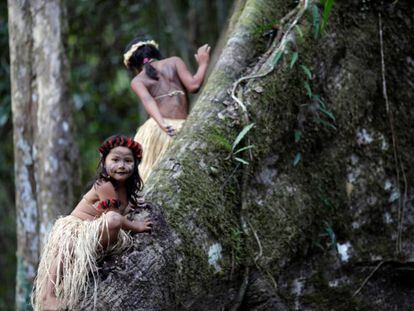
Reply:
x=73, y=248
x=155, y=143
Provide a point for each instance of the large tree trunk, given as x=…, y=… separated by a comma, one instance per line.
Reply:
x=44, y=151
x=326, y=198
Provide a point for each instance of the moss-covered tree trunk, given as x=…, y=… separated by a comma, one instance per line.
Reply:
x=326, y=199
x=45, y=169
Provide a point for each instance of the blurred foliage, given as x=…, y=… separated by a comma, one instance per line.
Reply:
x=103, y=104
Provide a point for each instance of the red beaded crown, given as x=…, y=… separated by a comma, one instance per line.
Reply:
x=124, y=141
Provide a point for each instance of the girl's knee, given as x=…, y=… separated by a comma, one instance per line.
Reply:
x=114, y=220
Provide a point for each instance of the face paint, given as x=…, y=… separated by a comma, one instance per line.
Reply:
x=119, y=163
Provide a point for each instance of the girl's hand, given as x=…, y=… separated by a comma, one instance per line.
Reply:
x=143, y=225
x=203, y=54
x=168, y=129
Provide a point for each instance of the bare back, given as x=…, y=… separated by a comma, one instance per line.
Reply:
x=168, y=91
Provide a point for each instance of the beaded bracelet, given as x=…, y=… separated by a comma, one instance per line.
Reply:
x=105, y=204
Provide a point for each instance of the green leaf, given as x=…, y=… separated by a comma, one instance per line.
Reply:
x=244, y=148
x=214, y=170
x=316, y=22
x=294, y=59
x=328, y=113
x=307, y=71
x=326, y=124
x=241, y=135
x=297, y=159
x=308, y=89
x=319, y=100
x=327, y=7
x=298, y=135
x=277, y=57
x=299, y=31
x=241, y=160
x=331, y=235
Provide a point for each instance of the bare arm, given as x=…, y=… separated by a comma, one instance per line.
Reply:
x=106, y=191
x=193, y=82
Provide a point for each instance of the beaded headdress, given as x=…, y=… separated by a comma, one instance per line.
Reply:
x=124, y=141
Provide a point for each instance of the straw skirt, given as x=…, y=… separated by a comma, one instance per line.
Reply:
x=71, y=253
x=155, y=143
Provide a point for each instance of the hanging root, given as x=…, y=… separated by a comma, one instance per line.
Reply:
x=242, y=290
x=367, y=278
x=397, y=160
x=299, y=10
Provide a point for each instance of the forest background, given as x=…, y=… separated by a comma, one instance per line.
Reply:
x=96, y=35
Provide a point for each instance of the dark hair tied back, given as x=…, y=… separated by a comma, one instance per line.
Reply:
x=136, y=61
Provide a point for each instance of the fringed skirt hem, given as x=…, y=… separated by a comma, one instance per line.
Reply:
x=69, y=260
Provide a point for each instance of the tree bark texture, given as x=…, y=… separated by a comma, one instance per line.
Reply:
x=45, y=169
x=322, y=217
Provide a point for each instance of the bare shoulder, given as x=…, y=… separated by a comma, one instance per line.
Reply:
x=105, y=189
x=174, y=60
x=140, y=86
x=136, y=81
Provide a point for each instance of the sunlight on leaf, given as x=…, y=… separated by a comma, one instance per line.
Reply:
x=241, y=135
x=277, y=57
x=241, y=161
x=244, y=148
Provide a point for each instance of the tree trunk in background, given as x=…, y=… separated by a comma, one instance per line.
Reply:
x=45, y=169
x=190, y=24
x=322, y=217
x=171, y=14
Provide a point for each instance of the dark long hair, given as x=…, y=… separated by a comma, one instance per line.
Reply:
x=136, y=61
x=133, y=184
